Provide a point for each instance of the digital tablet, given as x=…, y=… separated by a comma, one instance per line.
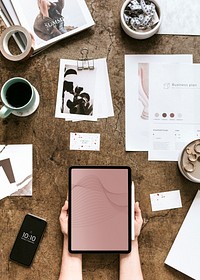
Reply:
x=99, y=209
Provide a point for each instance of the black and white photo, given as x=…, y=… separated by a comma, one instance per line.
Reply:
x=76, y=92
x=83, y=94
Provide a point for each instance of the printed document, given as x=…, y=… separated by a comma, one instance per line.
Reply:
x=137, y=96
x=173, y=109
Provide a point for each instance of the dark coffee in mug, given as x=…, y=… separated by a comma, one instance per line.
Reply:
x=18, y=94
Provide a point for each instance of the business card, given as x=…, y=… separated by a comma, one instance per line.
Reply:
x=85, y=141
x=165, y=200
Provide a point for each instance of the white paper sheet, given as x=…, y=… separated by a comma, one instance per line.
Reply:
x=165, y=200
x=6, y=188
x=136, y=126
x=20, y=167
x=184, y=254
x=180, y=17
x=105, y=104
x=174, y=109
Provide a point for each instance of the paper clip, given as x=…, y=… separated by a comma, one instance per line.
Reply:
x=85, y=63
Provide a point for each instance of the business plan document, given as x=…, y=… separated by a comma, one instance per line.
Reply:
x=137, y=96
x=174, y=98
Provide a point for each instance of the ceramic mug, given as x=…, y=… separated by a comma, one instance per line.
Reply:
x=19, y=98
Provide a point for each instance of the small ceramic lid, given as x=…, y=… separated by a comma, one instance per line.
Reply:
x=190, y=161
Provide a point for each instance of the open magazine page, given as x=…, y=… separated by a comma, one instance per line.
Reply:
x=51, y=21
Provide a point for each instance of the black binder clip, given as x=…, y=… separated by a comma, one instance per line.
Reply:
x=85, y=63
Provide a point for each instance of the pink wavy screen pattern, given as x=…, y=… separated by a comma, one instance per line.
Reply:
x=100, y=212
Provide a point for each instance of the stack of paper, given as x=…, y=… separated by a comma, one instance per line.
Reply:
x=15, y=170
x=162, y=97
x=47, y=21
x=83, y=94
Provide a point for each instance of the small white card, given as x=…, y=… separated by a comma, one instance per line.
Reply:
x=85, y=141
x=165, y=200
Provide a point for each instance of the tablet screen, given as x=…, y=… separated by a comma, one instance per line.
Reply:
x=100, y=209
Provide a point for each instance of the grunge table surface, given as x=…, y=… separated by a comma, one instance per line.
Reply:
x=52, y=156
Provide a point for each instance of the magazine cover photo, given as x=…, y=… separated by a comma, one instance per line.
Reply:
x=52, y=20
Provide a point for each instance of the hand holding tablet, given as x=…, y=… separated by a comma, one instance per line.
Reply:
x=99, y=209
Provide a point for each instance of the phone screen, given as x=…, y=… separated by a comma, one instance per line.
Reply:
x=28, y=238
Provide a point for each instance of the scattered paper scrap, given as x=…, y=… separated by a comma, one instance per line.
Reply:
x=15, y=170
x=85, y=141
x=165, y=200
x=8, y=186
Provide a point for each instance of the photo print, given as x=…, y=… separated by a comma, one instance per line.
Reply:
x=76, y=92
x=76, y=99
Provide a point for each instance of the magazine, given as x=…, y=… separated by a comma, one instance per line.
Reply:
x=50, y=21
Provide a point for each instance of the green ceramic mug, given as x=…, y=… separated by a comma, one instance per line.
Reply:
x=18, y=97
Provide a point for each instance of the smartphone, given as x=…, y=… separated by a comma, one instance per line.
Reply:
x=28, y=239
